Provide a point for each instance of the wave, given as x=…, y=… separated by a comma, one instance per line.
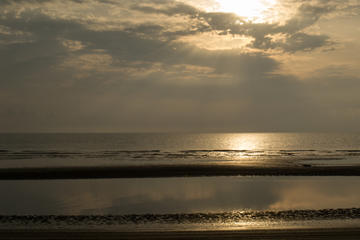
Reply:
x=6, y=154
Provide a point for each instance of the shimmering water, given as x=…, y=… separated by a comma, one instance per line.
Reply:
x=29, y=150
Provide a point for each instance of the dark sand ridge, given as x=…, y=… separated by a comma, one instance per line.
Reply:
x=158, y=171
x=286, y=234
x=181, y=218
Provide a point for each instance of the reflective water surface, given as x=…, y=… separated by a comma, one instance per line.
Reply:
x=215, y=203
x=50, y=150
x=189, y=203
x=177, y=195
x=184, y=203
x=168, y=142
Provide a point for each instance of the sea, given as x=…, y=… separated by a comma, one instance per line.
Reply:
x=181, y=203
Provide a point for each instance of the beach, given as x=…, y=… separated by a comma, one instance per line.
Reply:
x=304, y=234
x=179, y=187
x=161, y=171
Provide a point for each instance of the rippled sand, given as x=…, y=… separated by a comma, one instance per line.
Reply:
x=159, y=171
x=306, y=234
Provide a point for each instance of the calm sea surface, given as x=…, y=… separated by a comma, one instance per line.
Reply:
x=205, y=203
x=23, y=150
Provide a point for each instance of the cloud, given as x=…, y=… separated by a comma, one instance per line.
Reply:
x=11, y=36
x=305, y=42
x=125, y=66
x=308, y=13
x=183, y=19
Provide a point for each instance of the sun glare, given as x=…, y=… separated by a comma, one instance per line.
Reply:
x=253, y=10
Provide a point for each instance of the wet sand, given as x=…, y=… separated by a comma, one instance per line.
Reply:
x=286, y=234
x=161, y=171
x=181, y=218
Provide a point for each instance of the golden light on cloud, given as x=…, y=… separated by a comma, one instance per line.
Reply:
x=213, y=41
x=254, y=10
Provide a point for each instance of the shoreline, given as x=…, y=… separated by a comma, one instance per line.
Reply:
x=164, y=171
x=278, y=234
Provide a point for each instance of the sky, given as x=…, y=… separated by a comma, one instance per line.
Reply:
x=179, y=65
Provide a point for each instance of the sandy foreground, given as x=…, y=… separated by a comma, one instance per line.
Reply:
x=159, y=171
x=288, y=234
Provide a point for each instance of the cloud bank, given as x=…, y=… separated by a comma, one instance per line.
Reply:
x=156, y=65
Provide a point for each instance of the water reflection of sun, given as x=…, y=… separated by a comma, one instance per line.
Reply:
x=247, y=141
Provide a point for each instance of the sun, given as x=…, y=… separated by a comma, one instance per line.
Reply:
x=252, y=10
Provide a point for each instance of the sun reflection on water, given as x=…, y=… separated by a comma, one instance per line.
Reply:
x=249, y=142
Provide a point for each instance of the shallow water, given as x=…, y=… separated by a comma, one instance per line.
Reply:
x=183, y=203
x=177, y=195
